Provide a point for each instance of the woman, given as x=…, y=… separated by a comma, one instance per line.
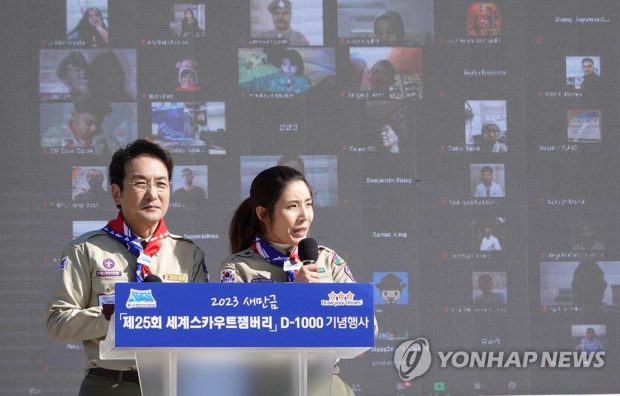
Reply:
x=389, y=28
x=91, y=29
x=189, y=25
x=290, y=78
x=266, y=229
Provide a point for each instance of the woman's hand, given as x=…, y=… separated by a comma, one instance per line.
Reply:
x=103, y=32
x=308, y=273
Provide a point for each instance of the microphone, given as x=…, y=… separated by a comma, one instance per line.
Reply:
x=152, y=278
x=308, y=251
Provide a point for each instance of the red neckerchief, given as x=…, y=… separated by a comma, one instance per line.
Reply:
x=118, y=230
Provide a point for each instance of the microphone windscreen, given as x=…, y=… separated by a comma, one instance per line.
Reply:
x=152, y=278
x=308, y=250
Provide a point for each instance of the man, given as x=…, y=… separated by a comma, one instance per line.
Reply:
x=95, y=192
x=487, y=296
x=132, y=246
x=489, y=241
x=588, y=239
x=389, y=139
x=83, y=129
x=490, y=144
x=281, y=15
x=589, y=343
x=488, y=188
x=591, y=82
x=72, y=71
x=189, y=195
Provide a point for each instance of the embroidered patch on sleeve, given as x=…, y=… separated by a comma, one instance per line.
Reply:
x=337, y=260
x=63, y=263
x=228, y=276
x=347, y=271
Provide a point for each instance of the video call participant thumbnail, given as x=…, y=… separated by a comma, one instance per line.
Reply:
x=486, y=295
x=487, y=186
x=96, y=192
x=590, y=342
x=80, y=306
x=82, y=129
x=189, y=194
x=72, y=71
x=281, y=14
x=91, y=29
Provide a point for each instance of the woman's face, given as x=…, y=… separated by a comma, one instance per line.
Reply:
x=386, y=31
x=94, y=17
x=288, y=68
x=189, y=16
x=388, y=136
x=292, y=215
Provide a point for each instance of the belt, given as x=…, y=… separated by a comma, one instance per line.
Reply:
x=126, y=376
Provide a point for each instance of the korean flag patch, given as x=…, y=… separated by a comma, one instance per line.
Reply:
x=228, y=276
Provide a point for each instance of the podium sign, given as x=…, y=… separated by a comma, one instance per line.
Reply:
x=200, y=315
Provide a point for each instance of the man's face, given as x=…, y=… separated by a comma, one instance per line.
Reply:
x=388, y=136
x=143, y=209
x=489, y=135
x=485, y=283
x=590, y=334
x=84, y=125
x=381, y=79
x=487, y=178
x=95, y=179
x=587, y=67
x=281, y=19
x=188, y=177
x=75, y=78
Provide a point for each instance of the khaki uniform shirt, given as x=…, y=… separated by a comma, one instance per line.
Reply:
x=91, y=265
x=247, y=266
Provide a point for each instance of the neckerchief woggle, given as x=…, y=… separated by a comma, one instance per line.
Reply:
x=118, y=230
x=290, y=264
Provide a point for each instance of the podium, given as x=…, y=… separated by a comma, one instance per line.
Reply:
x=239, y=339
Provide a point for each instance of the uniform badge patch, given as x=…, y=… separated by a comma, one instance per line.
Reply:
x=175, y=277
x=337, y=260
x=347, y=271
x=108, y=263
x=63, y=263
x=228, y=276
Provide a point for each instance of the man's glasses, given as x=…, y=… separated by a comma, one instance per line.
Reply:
x=142, y=186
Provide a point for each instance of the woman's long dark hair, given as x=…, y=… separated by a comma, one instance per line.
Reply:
x=265, y=191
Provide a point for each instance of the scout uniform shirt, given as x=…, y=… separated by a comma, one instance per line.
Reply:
x=90, y=267
x=247, y=266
